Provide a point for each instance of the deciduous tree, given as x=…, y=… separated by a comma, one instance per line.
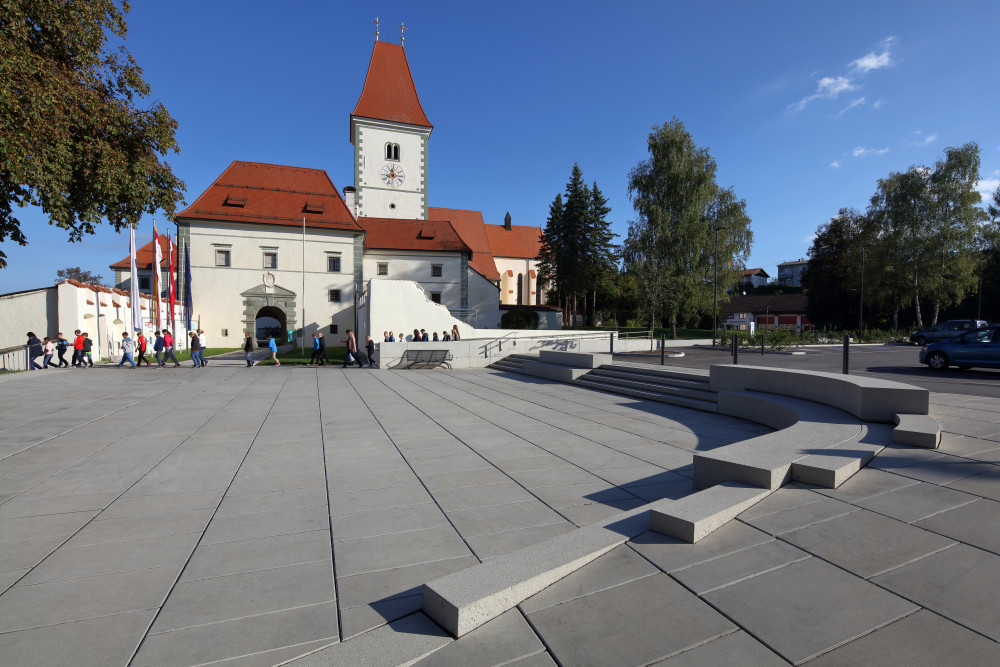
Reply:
x=79, y=275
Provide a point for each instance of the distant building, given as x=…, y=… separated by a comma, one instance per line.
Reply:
x=790, y=273
x=754, y=278
x=144, y=267
x=768, y=312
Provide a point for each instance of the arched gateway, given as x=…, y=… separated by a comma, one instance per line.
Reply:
x=268, y=311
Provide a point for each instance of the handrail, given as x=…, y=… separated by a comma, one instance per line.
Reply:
x=499, y=344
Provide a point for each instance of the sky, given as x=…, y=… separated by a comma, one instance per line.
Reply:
x=803, y=105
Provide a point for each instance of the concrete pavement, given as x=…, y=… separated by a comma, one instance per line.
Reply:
x=250, y=516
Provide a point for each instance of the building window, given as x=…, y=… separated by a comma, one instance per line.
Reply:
x=436, y=270
x=333, y=328
x=520, y=289
x=143, y=282
x=334, y=296
x=333, y=264
x=270, y=260
x=436, y=297
x=383, y=269
x=392, y=151
x=222, y=258
x=225, y=332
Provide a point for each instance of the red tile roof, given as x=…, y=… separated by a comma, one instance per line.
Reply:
x=755, y=272
x=273, y=194
x=395, y=234
x=472, y=229
x=144, y=256
x=518, y=241
x=389, y=93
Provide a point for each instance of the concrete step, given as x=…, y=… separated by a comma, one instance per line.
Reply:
x=644, y=382
x=651, y=395
x=691, y=374
x=512, y=362
x=693, y=517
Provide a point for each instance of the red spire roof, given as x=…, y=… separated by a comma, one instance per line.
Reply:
x=144, y=256
x=275, y=195
x=389, y=93
x=472, y=229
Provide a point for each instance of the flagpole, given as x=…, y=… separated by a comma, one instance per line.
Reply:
x=134, y=283
x=303, y=344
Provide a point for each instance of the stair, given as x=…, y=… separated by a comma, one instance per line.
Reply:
x=512, y=362
x=686, y=388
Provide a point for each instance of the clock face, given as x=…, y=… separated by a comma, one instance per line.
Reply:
x=392, y=175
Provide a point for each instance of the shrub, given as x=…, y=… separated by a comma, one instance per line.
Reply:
x=519, y=318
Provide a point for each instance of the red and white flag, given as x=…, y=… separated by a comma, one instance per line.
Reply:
x=171, y=288
x=157, y=258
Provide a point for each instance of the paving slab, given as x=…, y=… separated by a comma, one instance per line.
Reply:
x=959, y=583
x=798, y=610
x=977, y=524
x=633, y=624
x=670, y=554
x=917, y=501
x=985, y=484
x=867, y=483
x=385, y=552
x=503, y=640
x=737, y=649
x=398, y=643
x=739, y=566
x=262, y=553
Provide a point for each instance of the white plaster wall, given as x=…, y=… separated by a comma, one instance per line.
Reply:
x=374, y=195
x=483, y=298
x=218, y=303
x=508, y=293
x=394, y=305
x=416, y=266
x=21, y=313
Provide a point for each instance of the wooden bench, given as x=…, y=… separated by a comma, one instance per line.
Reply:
x=430, y=357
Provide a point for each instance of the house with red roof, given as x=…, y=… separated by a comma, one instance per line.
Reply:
x=144, y=266
x=272, y=244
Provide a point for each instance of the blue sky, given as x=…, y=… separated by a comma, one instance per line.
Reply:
x=803, y=105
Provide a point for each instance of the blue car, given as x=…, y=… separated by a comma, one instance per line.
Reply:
x=974, y=348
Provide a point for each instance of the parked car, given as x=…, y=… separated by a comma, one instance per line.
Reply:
x=973, y=348
x=945, y=330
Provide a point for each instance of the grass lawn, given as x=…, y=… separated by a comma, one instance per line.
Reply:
x=299, y=357
x=185, y=355
x=682, y=334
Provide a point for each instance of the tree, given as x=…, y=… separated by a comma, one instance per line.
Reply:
x=75, y=142
x=832, y=258
x=79, y=275
x=679, y=206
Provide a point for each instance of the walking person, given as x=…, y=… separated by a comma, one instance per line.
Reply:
x=61, y=346
x=34, y=351
x=158, y=349
x=141, y=347
x=203, y=341
x=370, y=348
x=85, y=359
x=49, y=348
x=78, y=349
x=168, y=349
x=248, y=350
x=273, y=346
x=128, y=347
x=315, y=353
x=195, y=349
x=323, y=359
x=352, y=350
x=454, y=332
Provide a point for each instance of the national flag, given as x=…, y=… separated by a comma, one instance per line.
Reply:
x=134, y=283
x=157, y=277
x=171, y=288
x=188, y=299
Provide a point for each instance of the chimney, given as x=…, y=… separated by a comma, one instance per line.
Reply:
x=506, y=221
x=349, y=196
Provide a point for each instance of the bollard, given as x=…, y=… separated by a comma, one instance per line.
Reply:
x=736, y=349
x=847, y=354
x=663, y=347
x=611, y=339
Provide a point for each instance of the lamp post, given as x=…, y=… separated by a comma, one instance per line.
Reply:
x=861, y=307
x=715, y=287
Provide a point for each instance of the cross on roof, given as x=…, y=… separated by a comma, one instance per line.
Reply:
x=402, y=32
x=376, y=22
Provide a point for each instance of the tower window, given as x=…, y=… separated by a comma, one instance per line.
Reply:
x=270, y=260
x=222, y=258
x=391, y=151
x=383, y=269
x=435, y=270
x=436, y=297
x=334, y=295
x=333, y=264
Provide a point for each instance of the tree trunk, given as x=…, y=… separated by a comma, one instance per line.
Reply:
x=916, y=303
x=937, y=309
x=895, y=311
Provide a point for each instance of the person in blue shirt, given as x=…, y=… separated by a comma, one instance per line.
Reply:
x=315, y=355
x=274, y=350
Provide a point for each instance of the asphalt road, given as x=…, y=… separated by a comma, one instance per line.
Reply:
x=888, y=362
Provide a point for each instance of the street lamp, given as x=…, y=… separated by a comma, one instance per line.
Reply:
x=861, y=307
x=715, y=286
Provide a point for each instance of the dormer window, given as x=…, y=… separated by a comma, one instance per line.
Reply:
x=392, y=151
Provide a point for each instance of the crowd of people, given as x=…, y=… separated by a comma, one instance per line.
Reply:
x=421, y=335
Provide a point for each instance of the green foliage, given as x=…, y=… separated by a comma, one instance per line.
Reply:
x=74, y=141
x=681, y=211
x=79, y=275
x=519, y=318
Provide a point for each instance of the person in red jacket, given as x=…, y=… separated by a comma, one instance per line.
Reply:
x=78, y=349
x=168, y=349
x=141, y=348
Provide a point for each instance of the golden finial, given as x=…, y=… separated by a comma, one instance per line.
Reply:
x=376, y=22
x=402, y=33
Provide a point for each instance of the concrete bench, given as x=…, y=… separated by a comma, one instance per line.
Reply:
x=917, y=431
x=428, y=357
x=693, y=517
x=868, y=399
x=587, y=360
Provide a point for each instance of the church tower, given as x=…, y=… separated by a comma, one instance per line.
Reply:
x=390, y=133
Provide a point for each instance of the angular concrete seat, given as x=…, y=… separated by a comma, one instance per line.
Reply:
x=693, y=517
x=917, y=431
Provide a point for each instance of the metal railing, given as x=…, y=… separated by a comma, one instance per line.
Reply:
x=498, y=344
x=14, y=358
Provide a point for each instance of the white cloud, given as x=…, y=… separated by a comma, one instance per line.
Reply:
x=925, y=141
x=872, y=61
x=809, y=239
x=878, y=104
x=854, y=103
x=987, y=187
x=828, y=87
x=835, y=164
x=863, y=152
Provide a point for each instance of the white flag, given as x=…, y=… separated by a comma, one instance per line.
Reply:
x=134, y=284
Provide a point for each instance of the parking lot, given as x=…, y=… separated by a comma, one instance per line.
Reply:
x=887, y=362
